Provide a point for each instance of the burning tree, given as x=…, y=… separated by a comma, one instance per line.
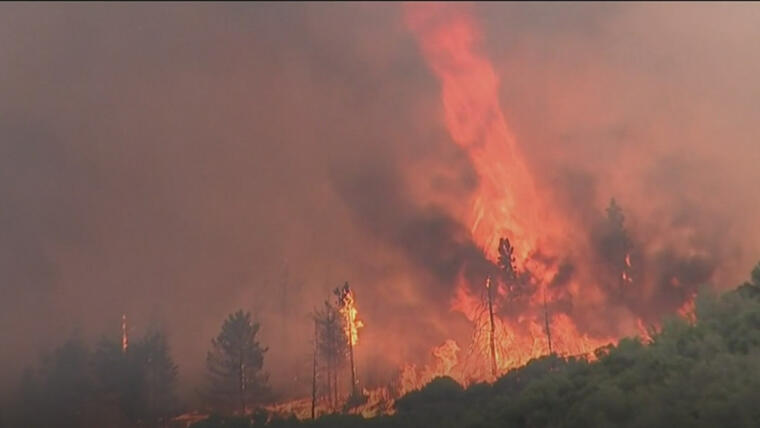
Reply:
x=507, y=259
x=492, y=329
x=513, y=284
x=517, y=282
x=336, y=334
x=351, y=326
x=235, y=363
x=615, y=245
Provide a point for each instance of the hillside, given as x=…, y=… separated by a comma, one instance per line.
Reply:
x=705, y=374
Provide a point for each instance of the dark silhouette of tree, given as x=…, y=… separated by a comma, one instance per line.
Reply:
x=751, y=288
x=703, y=374
x=615, y=245
x=492, y=327
x=235, y=364
x=66, y=385
x=109, y=387
x=314, y=363
x=507, y=259
x=118, y=381
x=332, y=348
x=517, y=282
x=136, y=385
x=159, y=377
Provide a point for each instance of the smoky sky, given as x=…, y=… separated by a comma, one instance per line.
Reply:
x=176, y=162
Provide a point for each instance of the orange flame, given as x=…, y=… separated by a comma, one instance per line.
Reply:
x=506, y=204
x=350, y=314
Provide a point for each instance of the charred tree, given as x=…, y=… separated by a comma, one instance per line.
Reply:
x=507, y=260
x=615, y=247
x=547, y=326
x=314, y=370
x=492, y=335
x=345, y=303
x=331, y=349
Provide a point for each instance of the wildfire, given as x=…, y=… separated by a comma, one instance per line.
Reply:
x=506, y=204
x=350, y=314
x=688, y=309
x=510, y=219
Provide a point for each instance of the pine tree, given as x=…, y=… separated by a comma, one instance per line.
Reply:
x=235, y=364
x=159, y=374
x=135, y=385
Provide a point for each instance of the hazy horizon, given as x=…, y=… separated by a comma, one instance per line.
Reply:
x=177, y=162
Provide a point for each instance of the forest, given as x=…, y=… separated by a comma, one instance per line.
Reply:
x=368, y=214
x=691, y=373
x=700, y=374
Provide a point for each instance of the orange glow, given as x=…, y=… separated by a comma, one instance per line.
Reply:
x=379, y=402
x=507, y=202
x=350, y=314
x=644, y=331
x=688, y=309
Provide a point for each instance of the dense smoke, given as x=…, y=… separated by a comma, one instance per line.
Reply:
x=177, y=162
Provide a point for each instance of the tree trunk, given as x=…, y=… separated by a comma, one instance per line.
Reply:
x=546, y=322
x=351, y=358
x=329, y=370
x=492, y=339
x=314, y=372
x=242, y=380
x=335, y=385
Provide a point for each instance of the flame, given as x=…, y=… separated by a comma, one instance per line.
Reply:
x=626, y=275
x=644, y=332
x=507, y=202
x=379, y=401
x=300, y=408
x=688, y=310
x=350, y=314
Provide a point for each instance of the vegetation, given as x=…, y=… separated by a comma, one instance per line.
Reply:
x=235, y=364
x=705, y=374
x=110, y=386
x=700, y=374
x=331, y=350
